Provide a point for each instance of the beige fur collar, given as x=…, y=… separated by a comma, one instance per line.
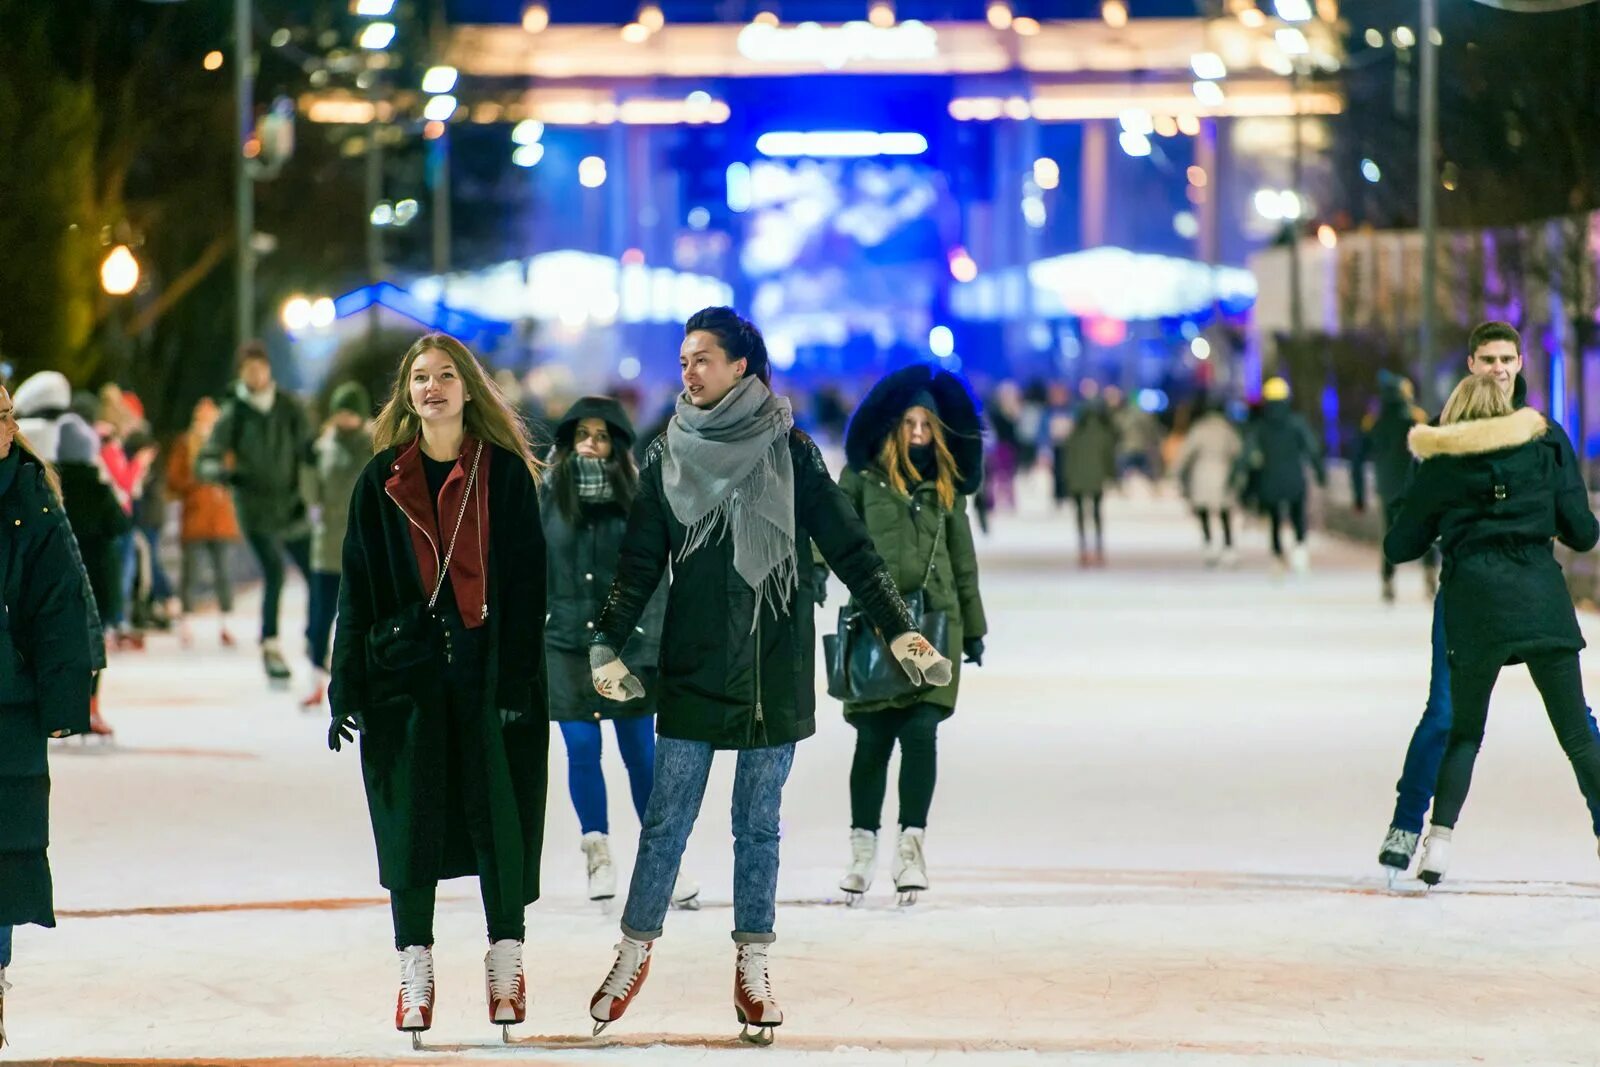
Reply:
x=1478, y=436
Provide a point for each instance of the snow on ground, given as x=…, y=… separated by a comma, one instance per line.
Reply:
x=1154, y=842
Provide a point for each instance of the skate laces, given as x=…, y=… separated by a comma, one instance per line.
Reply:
x=753, y=976
x=630, y=960
x=598, y=855
x=504, y=964
x=862, y=847
x=910, y=851
x=416, y=978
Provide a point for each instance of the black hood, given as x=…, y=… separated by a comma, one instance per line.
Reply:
x=1519, y=392
x=596, y=407
x=881, y=411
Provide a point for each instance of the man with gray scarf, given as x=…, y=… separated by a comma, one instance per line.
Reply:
x=726, y=497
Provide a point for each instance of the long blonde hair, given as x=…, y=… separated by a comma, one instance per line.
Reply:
x=488, y=416
x=1475, y=397
x=895, y=459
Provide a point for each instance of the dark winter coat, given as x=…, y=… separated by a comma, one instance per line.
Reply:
x=326, y=484
x=1496, y=492
x=722, y=683
x=403, y=747
x=260, y=457
x=1090, y=452
x=98, y=521
x=1279, y=446
x=582, y=563
x=1383, y=444
x=904, y=527
x=50, y=646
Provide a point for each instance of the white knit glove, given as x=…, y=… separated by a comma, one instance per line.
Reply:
x=611, y=676
x=920, y=660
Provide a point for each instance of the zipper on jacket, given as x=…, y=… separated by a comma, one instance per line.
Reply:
x=761, y=719
x=437, y=559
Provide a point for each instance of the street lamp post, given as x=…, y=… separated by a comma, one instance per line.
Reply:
x=244, y=191
x=1427, y=181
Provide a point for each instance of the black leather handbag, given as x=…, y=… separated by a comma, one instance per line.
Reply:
x=861, y=668
x=412, y=639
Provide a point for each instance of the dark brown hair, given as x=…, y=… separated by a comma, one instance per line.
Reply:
x=1485, y=332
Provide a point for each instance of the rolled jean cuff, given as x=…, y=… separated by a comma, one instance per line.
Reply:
x=639, y=935
x=742, y=938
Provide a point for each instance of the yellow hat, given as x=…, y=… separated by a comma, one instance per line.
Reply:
x=1275, y=389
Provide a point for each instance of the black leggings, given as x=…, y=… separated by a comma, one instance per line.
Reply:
x=917, y=730
x=1226, y=515
x=1560, y=683
x=1079, y=499
x=1295, y=511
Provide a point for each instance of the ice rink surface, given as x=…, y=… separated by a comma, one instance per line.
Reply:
x=1154, y=842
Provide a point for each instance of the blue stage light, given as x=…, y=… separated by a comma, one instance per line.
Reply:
x=839, y=144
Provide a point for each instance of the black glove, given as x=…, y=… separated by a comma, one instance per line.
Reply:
x=343, y=728
x=973, y=648
x=819, y=583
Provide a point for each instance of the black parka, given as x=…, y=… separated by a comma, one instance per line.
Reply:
x=266, y=453
x=1279, y=446
x=1497, y=492
x=722, y=683
x=403, y=750
x=1383, y=444
x=50, y=644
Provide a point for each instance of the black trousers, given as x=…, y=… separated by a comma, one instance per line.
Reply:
x=467, y=803
x=270, y=550
x=1560, y=683
x=1079, y=500
x=1295, y=511
x=1226, y=517
x=916, y=728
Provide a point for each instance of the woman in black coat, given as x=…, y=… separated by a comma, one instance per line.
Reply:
x=590, y=486
x=1496, y=486
x=437, y=663
x=728, y=496
x=50, y=647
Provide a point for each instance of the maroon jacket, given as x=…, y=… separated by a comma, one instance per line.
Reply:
x=431, y=528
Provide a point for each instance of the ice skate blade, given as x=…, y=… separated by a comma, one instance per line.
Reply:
x=505, y=1033
x=687, y=903
x=416, y=1041
x=853, y=899
x=762, y=1038
x=907, y=897
x=599, y=1027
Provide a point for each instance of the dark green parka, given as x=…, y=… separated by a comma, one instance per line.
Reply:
x=905, y=527
x=50, y=646
x=266, y=451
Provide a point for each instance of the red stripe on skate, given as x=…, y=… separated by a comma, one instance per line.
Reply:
x=328, y=904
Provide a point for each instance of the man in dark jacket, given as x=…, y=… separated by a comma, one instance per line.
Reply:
x=1383, y=443
x=257, y=447
x=1279, y=446
x=1495, y=350
x=50, y=646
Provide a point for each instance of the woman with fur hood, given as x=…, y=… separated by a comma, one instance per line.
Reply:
x=1497, y=487
x=914, y=451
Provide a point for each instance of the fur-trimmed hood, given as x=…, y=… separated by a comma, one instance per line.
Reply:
x=1478, y=436
x=880, y=413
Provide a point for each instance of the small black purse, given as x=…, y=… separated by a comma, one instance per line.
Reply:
x=412, y=638
x=861, y=668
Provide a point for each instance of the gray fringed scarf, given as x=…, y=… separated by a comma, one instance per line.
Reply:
x=729, y=467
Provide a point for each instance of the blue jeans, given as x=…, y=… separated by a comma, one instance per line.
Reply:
x=5, y=946
x=1420, y=775
x=636, y=739
x=682, y=768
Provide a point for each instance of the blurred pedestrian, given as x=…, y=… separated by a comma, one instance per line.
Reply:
x=1208, y=467
x=1279, y=446
x=737, y=648
x=1498, y=487
x=1383, y=444
x=257, y=448
x=338, y=457
x=1138, y=436
x=207, y=528
x=1091, y=463
x=50, y=648
x=437, y=661
x=70, y=445
x=914, y=450
x=591, y=485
